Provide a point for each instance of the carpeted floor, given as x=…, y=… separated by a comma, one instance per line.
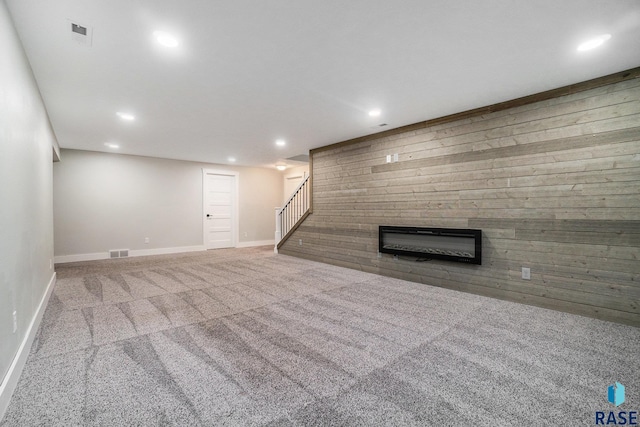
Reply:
x=245, y=337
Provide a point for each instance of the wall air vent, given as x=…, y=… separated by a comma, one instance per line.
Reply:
x=118, y=253
x=80, y=33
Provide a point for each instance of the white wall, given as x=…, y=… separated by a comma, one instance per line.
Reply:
x=106, y=201
x=301, y=171
x=26, y=224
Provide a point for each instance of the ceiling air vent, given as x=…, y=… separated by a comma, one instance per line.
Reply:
x=81, y=33
x=300, y=158
x=381, y=125
x=79, y=29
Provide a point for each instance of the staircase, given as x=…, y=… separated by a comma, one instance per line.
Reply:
x=294, y=211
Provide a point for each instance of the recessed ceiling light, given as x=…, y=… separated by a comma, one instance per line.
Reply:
x=281, y=167
x=375, y=113
x=126, y=116
x=231, y=159
x=594, y=43
x=165, y=39
x=111, y=145
x=281, y=143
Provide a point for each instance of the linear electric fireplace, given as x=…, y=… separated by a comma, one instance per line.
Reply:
x=451, y=244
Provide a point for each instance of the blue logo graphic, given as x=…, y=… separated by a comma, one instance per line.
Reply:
x=615, y=394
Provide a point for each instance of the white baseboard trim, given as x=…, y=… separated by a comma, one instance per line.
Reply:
x=15, y=370
x=166, y=251
x=61, y=259
x=256, y=243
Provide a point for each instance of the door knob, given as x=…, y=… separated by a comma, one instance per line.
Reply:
x=208, y=215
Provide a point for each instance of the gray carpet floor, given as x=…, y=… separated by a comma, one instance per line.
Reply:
x=245, y=337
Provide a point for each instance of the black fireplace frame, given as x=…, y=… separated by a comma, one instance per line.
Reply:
x=476, y=235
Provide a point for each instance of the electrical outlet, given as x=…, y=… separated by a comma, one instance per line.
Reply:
x=15, y=321
x=388, y=158
x=379, y=255
x=395, y=257
x=146, y=240
x=300, y=242
x=526, y=273
x=246, y=234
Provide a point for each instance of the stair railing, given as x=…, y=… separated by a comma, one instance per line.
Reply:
x=292, y=213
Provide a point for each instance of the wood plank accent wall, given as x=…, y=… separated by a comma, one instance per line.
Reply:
x=553, y=184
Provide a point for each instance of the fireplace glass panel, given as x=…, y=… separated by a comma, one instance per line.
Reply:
x=437, y=243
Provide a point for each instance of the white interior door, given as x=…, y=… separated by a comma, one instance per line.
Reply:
x=220, y=209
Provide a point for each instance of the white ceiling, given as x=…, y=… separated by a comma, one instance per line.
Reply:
x=249, y=72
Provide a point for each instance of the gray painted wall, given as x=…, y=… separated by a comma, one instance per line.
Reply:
x=554, y=186
x=26, y=224
x=106, y=201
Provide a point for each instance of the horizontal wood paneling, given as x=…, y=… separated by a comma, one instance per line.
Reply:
x=553, y=184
